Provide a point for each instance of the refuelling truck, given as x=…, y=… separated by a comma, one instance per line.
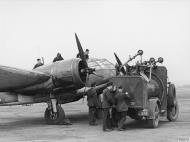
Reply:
x=151, y=95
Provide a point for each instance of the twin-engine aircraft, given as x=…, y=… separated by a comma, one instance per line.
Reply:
x=55, y=84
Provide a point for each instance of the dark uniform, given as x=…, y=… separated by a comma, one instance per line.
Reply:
x=37, y=65
x=58, y=58
x=93, y=104
x=108, y=102
x=122, y=108
x=117, y=69
x=114, y=112
x=78, y=55
x=86, y=53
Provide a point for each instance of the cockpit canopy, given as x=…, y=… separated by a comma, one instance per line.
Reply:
x=100, y=64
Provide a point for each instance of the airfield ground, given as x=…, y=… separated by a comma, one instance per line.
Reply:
x=26, y=123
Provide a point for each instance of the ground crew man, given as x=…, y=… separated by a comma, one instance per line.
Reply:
x=114, y=113
x=121, y=107
x=93, y=104
x=108, y=102
x=38, y=64
x=117, y=69
x=58, y=58
x=86, y=53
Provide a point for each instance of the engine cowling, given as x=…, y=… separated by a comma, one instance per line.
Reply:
x=65, y=74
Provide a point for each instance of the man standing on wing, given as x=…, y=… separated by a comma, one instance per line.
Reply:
x=38, y=64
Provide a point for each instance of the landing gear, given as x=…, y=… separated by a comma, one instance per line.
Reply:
x=54, y=114
x=52, y=117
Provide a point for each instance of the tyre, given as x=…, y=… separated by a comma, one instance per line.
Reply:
x=54, y=118
x=153, y=123
x=172, y=104
x=173, y=112
x=171, y=95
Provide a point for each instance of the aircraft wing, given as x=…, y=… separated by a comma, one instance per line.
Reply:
x=13, y=78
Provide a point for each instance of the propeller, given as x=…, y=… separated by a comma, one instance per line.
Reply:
x=87, y=70
x=120, y=64
x=81, y=52
x=83, y=57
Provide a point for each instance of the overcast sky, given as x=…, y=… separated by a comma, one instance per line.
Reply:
x=32, y=29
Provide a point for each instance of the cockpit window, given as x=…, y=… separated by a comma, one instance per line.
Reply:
x=100, y=64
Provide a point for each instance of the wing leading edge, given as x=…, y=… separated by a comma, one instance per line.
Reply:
x=13, y=78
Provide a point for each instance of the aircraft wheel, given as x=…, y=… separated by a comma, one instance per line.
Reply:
x=153, y=123
x=173, y=112
x=54, y=117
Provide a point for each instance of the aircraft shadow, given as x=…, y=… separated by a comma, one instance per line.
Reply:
x=27, y=122
x=23, y=123
x=78, y=118
x=82, y=118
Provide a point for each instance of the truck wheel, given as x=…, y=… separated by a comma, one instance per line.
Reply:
x=153, y=123
x=54, y=118
x=171, y=95
x=173, y=112
x=172, y=104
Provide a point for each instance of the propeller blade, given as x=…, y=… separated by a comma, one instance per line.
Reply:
x=83, y=57
x=120, y=64
x=81, y=52
x=118, y=60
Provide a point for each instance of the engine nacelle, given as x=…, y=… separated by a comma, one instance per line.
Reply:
x=65, y=74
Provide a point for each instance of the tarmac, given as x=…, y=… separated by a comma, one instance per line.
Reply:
x=26, y=124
